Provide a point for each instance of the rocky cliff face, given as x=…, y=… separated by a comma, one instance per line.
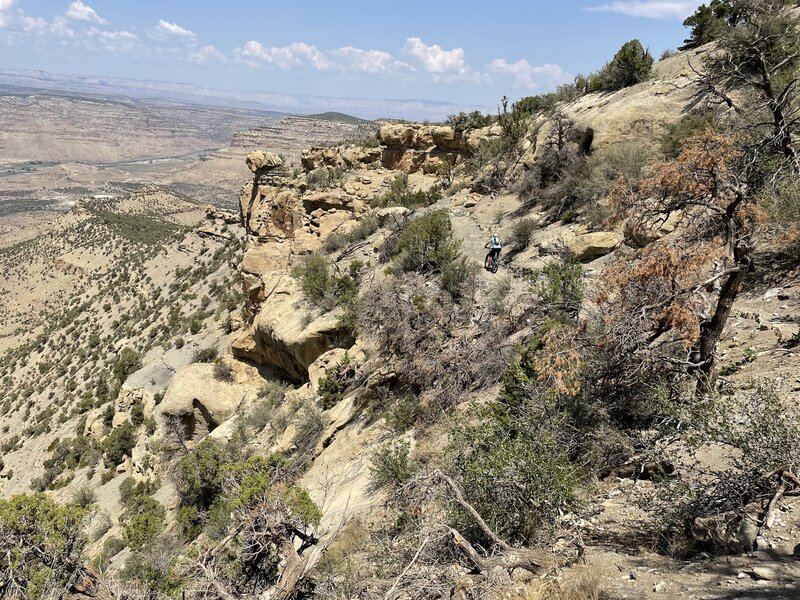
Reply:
x=286, y=220
x=408, y=147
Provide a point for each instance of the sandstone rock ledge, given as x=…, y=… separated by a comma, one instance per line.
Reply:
x=280, y=338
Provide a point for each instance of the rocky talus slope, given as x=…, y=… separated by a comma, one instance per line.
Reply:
x=180, y=348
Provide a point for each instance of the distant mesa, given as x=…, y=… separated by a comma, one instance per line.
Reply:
x=339, y=118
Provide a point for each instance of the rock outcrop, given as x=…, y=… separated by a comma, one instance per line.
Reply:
x=593, y=245
x=262, y=162
x=284, y=220
x=407, y=147
x=414, y=147
x=280, y=337
x=199, y=401
x=340, y=157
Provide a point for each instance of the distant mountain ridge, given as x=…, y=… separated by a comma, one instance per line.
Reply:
x=339, y=118
x=364, y=108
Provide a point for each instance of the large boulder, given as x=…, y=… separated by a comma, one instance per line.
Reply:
x=199, y=400
x=420, y=137
x=476, y=137
x=392, y=215
x=281, y=338
x=332, y=200
x=446, y=138
x=269, y=212
x=593, y=245
x=398, y=135
x=342, y=157
x=260, y=162
x=399, y=158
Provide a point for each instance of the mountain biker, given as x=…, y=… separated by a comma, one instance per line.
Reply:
x=495, y=245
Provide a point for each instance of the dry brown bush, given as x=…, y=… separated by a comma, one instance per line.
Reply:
x=429, y=341
x=584, y=585
x=681, y=288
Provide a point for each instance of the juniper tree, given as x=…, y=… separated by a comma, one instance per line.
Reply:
x=755, y=69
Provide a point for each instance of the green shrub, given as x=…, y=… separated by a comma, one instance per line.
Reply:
x=458, y=278
x=509, y=449
x=69, y=453
x=490, y=152
x=532, y=105
x=572, y=182
x=108, y=475
x=358, y=232
x=499, y=295
x=127, y=362
x=427, y=243
x=309, y=429
x=137, y=413
x=338, y=379
x=152, y=569
x=322, y=288
x=199, y=474
x=315, y=278
x=119, y=444
x=560, y=285
x=522, y=232
x=514, y=123
x=84, y=497
x=223, y=371
x=143, y=520
x=111, y=547
x=205, y=355
x=676, y=133
x=630, y=65
x=465, y=121
x=323, y=178
x=781, y=201
x=364, y=141
x=399, y=194
x=708, y=23
x=403, y=413
x=390, y=466
x=41, y=545
x=212, y=484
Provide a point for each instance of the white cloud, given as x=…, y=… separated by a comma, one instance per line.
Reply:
x=284, y=57
x=78, y=11
x=207, y=54
x=60, y=28
x=436, y=59
x=368, y=61
x=311, y=55
x=649, y=9
x=4, y=6
x=529, y=76
x=114, y=41
x=33, y=24
x=174, y=29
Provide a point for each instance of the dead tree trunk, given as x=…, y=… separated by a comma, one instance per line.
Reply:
x=711, y=330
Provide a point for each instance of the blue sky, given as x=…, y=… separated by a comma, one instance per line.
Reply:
x=456, y=51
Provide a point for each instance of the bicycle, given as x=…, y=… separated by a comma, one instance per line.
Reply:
x=491, y=263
